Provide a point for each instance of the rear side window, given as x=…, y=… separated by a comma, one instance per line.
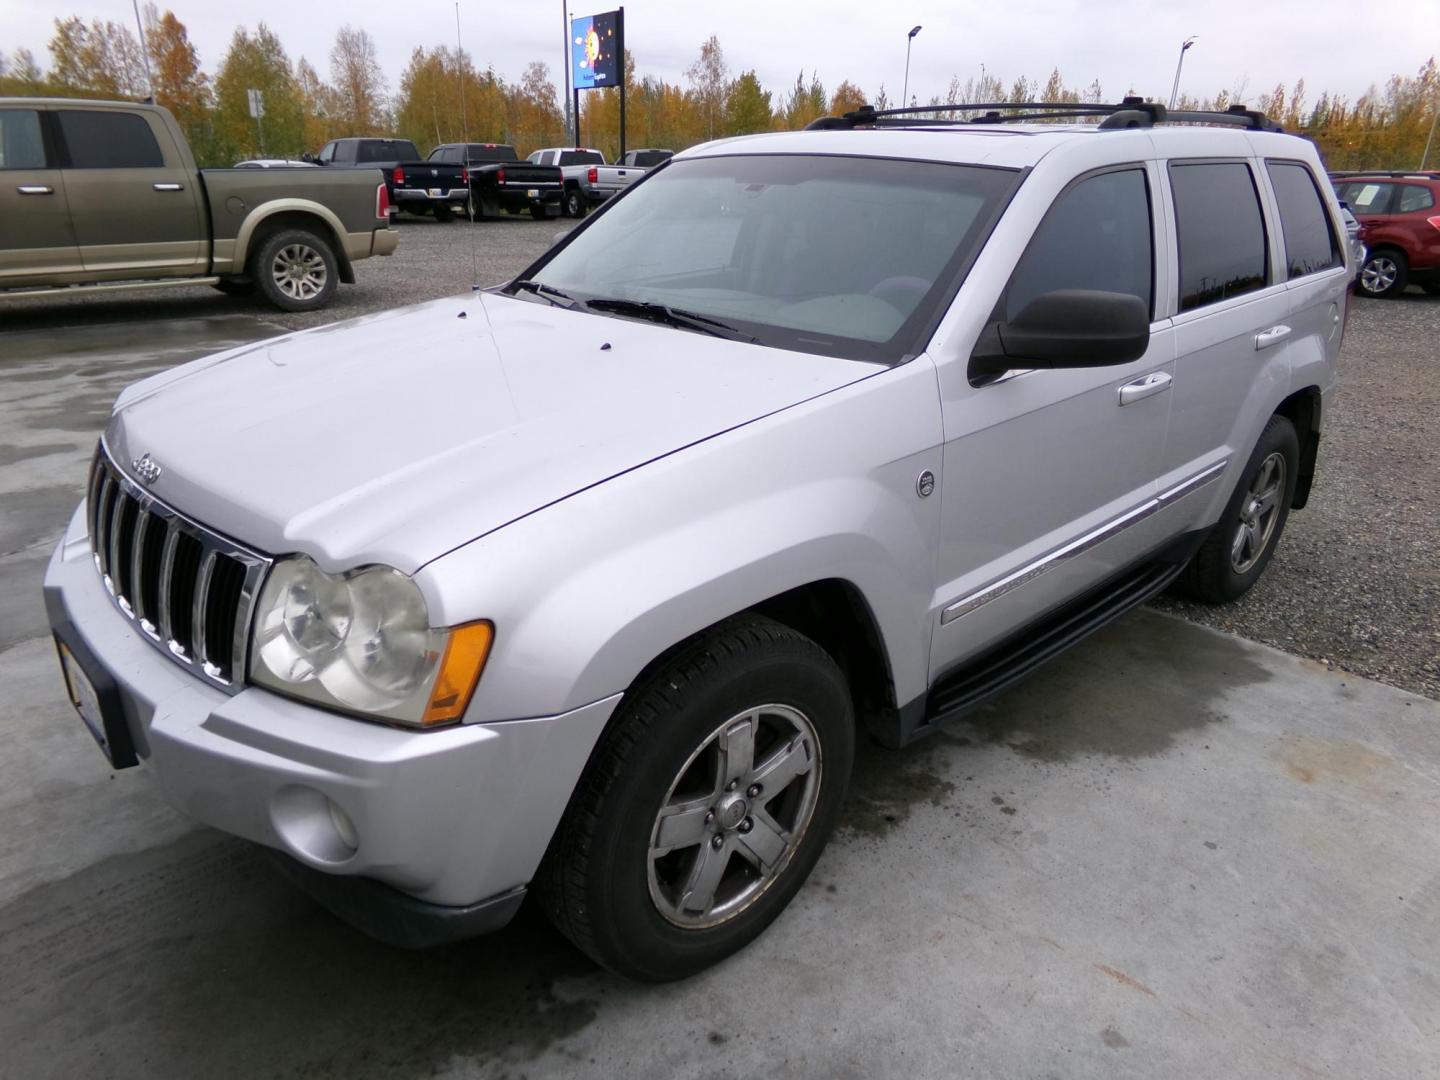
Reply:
x=1367, y=197
x=20, y=144
x=1097, y=235
x=1221, y=232
x=1310, y=244
x=1414, y=197
x=109, y=140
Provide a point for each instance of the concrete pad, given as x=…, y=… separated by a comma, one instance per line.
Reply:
x=1170, y=853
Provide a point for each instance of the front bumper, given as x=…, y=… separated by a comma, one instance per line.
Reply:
x=453, y=817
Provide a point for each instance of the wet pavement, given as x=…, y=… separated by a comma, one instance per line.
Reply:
x=1173, y=852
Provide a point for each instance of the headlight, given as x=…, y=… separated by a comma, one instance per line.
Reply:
x=362, y=642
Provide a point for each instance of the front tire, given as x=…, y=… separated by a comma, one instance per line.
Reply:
x=1384, y=274
x=706, y=804
x=296, y=270
x=1241, y=544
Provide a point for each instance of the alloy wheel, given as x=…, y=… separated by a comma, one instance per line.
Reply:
x=1259, y=511
x=299, y=271
x=734, y=816
x=1379, y=274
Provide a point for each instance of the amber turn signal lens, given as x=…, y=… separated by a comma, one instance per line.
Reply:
x=466, y=650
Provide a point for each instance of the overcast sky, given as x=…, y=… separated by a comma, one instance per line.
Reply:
x=1334, y=44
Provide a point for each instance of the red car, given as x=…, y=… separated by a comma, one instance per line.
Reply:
x=1399, y=215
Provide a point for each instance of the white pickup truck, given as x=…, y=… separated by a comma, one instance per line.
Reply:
x=588, y=180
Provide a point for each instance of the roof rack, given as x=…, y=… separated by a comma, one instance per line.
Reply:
x=1132, y=112
x=1395, y=174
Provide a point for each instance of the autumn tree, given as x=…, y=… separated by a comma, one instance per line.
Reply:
x=258, y=62
x=358, y=83
x=101, y=59
x=847, y=98
x=179, y=84
x=709, y=78
x=533, y=110
x=22, y=75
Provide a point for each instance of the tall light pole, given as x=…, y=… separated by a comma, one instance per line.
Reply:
x=905, y=93
x=1184, y=48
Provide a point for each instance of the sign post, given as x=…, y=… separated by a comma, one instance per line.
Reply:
x=597, y=59
x=257, y=110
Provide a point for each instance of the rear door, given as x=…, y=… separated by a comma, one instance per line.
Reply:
x=1233, y=326
x=37, y=243
x=1048, y=475
x=133, y=200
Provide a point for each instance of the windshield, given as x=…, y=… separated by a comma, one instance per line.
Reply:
x=844, y=256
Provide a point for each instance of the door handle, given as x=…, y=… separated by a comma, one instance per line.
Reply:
x=1274, y=335
x=168, y=187
x=1143, y=387
x=35, y=189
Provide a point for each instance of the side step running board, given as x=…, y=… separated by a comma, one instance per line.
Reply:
x=970, y=685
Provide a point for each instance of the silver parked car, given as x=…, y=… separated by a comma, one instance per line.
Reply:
x=810, y=436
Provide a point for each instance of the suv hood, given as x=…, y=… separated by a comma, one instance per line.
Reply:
x=397, y=437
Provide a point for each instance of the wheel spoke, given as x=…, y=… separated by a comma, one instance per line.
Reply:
x=776, y=772
x=681, y=825
x=699, y=893
x=737, y=750
x=1237, y=548
x=764, y=845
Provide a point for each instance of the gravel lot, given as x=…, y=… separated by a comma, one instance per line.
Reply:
x=1355, y=584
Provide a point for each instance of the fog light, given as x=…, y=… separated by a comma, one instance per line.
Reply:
x=344, y=827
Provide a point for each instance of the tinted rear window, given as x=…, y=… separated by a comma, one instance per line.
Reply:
x=646, y=158
x=20, y=144
x=1310, y=244
x=582, y=157
x=497, y=152
x=109, y=140
x=1221, y=232
x=372, y=150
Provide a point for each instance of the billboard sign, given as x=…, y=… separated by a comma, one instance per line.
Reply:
x=596, y=42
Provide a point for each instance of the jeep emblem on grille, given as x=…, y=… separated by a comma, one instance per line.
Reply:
x=147, y=469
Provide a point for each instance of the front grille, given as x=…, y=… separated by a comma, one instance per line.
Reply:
x=190, y=591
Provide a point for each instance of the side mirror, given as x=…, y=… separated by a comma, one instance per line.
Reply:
x=309, y=158
x=1068, y=328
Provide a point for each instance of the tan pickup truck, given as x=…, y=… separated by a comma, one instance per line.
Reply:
x=105, y=195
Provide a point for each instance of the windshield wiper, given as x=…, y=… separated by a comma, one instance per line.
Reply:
x=686, y=320
x=558, y=297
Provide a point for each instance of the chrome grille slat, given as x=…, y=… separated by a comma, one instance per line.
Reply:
x=217, y=579
x=196, y=644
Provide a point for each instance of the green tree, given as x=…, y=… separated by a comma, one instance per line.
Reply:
x=258, y=62
x=709, y=78
x=102, y=59
x=747, y=106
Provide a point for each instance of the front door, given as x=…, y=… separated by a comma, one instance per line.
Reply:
x=37, y=245
x=133, y=199
x=1048, y=474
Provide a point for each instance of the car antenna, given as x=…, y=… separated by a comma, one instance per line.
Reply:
x=465, y=154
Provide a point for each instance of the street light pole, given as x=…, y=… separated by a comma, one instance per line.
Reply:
x=905, y=93
x=1184, y=48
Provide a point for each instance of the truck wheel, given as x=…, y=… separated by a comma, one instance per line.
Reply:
x=575, y=204
x=1240, y=545
x=296, y=270
x=706, y=804
x=443, y=213
x=1384, y=274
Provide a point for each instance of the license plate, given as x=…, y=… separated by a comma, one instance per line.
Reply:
x=532, y=193
x=436, y=192
x=83, y=697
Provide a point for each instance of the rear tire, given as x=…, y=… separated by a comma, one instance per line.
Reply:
x=1384, y=274
x=750, y=724
x=1241, y=543
x=575, y=204
x=296, y=270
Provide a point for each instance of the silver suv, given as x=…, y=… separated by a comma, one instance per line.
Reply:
x=807, y=437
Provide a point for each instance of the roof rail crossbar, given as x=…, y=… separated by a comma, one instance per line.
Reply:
x=1129, y=113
